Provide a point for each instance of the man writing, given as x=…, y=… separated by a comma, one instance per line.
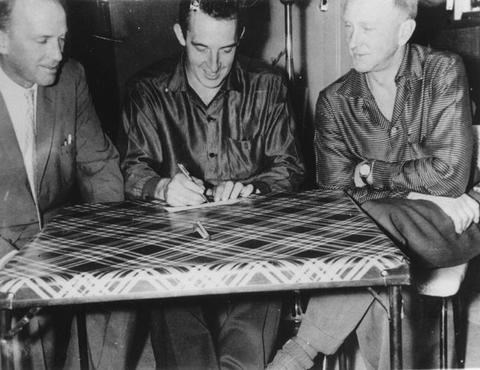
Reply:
x=52, y=147
x=228, y=122
x=395, y=133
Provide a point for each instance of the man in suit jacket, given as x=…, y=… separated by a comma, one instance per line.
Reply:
x=52, y=148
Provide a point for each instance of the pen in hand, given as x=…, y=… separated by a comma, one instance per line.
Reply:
x=185, y=171
x=188, y=176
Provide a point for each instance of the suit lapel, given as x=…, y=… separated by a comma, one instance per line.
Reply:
x=9, y=148
x=45, y=129
x=7, y=133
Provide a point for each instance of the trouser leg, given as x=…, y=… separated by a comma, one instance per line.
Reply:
x=424, y=232
x=331, y=316
x=420, y=333
x=246, y=330
x=111, y=338
x=41, y=344
x=373, y=336
x=181, y=337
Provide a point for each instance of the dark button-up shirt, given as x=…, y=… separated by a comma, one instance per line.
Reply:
x=427, y=145
x=245, y=134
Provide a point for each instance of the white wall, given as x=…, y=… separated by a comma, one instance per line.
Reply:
x=320, y=55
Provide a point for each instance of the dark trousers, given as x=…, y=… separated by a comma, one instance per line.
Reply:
x=48, y=342
x=424, y=232
x=219, y=333
x=113, y=338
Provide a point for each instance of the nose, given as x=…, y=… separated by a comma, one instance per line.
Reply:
x=353, y=39
x=56, y=50
x=213, y=61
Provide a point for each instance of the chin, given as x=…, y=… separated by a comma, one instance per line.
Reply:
x=46, y=80
x=212, y=84
x=361, y=67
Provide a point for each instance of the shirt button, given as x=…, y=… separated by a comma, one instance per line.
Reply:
x=212, y=155
x=210, y=119
x=166, y=89
x=394, y=130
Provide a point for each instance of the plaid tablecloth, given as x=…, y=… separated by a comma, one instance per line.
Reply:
x=132, y=250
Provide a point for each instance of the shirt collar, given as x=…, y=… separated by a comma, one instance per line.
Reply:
x=355, y=85
x=411, y=67
x=178, y=79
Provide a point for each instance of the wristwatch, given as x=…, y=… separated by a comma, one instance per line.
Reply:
x=364, y=171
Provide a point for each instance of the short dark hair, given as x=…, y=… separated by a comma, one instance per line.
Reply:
x=219, y=9
x=6, y=7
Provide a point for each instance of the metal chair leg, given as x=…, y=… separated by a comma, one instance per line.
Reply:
x=395, y=298
x=460, y=328
x=6, y=350
x=82, y=339
x=443, y=334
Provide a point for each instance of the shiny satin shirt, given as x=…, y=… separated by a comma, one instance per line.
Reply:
x=427, y=145
x=246, y=133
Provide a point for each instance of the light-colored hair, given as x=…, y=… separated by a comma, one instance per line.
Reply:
x=6, y=7
x=409, y=6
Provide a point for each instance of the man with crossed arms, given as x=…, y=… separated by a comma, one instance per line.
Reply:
x=395, y=133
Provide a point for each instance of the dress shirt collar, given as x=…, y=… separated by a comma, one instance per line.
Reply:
x=178, y=79
x=355, y=85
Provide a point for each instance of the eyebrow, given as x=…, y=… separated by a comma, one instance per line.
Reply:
x=222, y=47
x=62, y=35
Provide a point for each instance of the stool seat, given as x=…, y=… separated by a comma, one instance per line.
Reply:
x=439, y=282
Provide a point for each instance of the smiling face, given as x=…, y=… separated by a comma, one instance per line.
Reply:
x=31, y=46
x=210, y=46
x=376, y=31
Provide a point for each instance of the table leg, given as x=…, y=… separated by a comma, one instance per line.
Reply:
x=395, y=298
x=6, y=350
x=82, y=338
x=443, y=333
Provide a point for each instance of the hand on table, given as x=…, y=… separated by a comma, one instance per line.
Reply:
x=180, y=191
x=230, y=190
x=462, y=210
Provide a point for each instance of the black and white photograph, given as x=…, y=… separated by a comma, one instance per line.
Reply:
x=239, y=184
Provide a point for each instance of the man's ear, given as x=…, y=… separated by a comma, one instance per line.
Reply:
x=3, y=42
x=179, y=33
x=406, y=31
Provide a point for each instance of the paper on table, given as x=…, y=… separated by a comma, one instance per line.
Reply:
x=203, y=205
